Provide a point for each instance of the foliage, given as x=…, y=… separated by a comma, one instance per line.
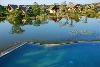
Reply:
x=75, y=16
x=2, y=11
x=27, y=18
x=15, y=16
x=36, y=11
x=16, y=29
x=2, y=19
x=63, y=5
x=97, y=15
x=37, y=22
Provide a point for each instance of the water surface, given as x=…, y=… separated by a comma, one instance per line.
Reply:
x=50, y=30
x=71, y=55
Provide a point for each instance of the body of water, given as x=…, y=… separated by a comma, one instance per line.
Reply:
x=82, y=54
x=64, y=29
x=70, y=55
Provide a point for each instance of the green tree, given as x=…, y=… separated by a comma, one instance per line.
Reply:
x=35, y=9
x=63, y=5
x=15, y=16
x=2, y=11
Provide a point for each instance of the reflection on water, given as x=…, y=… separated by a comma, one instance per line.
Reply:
x=2, y=19
x=50, y=29
x=85, y=32
x=38, y=21
x=16, y=29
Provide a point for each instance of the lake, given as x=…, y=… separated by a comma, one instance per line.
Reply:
x=49, y=30
x=81, y=54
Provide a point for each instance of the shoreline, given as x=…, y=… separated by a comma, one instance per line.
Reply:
x=11, y=49
x=7, y=51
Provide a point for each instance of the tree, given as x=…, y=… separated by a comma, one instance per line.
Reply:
x=2, y=11
x=63, y=6
x=15, y=16
x=35, y=4
x=27, y=18
x=71, y=4
x=35, y=9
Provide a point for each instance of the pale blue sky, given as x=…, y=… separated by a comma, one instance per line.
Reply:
x=30, y=2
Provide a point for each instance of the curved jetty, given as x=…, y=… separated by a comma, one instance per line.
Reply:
x=11, y=49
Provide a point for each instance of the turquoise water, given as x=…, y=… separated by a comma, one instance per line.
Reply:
x=71, y=55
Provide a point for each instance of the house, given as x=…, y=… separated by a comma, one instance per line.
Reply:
x=25, y=9
x=78, y=7
x=11, y=7
x=54, y=9
x=98, y=7
x=91, y=5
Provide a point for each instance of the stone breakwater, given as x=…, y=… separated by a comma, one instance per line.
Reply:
x=11, y=49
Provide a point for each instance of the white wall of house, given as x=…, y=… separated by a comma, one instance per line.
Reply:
x=52, y=11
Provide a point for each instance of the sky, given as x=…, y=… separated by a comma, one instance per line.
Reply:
x=49, y=2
